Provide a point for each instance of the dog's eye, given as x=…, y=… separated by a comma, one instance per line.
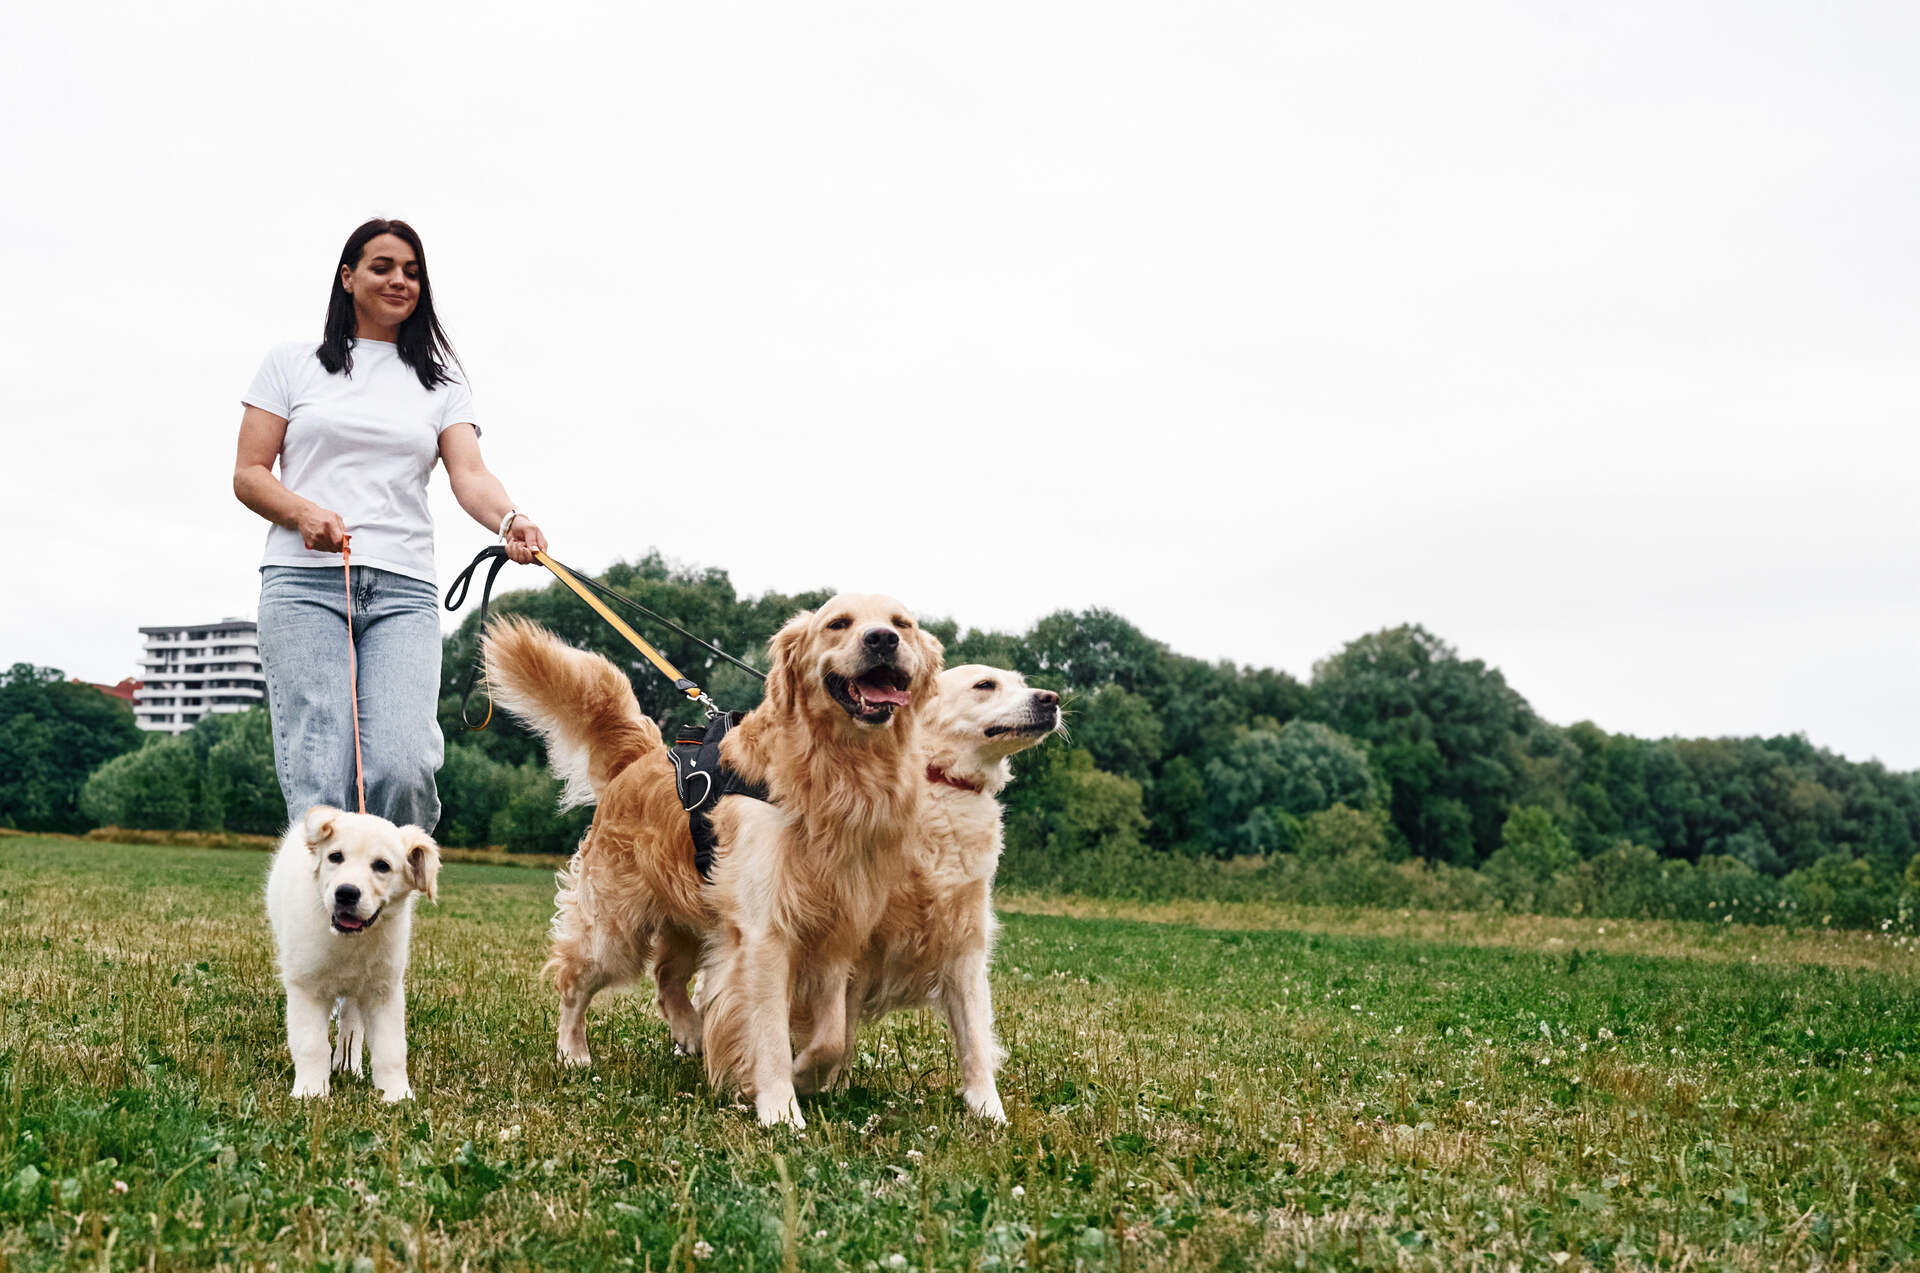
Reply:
x=336, y=857
x=905, y=625
x=838, y=624
x=986, y=685
x=381, y=867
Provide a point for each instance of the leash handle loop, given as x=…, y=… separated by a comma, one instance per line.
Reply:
x=456, y=597
x=353, y=674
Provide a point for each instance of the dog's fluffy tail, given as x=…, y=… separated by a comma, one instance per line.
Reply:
x=580, y=703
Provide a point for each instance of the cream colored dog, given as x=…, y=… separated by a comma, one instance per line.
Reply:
x=934, y=941
x=340, y=900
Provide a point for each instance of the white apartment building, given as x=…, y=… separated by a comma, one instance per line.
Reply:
x=196, y=670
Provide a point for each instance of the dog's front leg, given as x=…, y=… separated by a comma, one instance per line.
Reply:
x=766, y=984
x=969, y=1002
x=818, y=1064
x=307, y=1041
x=387, y=1042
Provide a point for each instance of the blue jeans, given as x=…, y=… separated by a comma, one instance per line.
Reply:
x=303, y=644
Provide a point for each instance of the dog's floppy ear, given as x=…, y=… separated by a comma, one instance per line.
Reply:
x=783, y=682
x=318, y=825
x=423, y=861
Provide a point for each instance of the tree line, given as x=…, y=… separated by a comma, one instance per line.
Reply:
x=1401, y=773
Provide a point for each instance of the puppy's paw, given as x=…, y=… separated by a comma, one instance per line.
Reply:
x=776, y=1112
x=310, y=1088
x=686, y=1042
x=397, y=1093
x=576, y=1057
x=986, y=1105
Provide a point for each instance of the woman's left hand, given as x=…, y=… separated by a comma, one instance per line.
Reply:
x=524, y=539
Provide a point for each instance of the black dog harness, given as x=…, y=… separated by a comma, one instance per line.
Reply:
x=701, y=780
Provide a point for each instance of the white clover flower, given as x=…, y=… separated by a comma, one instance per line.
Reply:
x=703, y=1250
x=1019, y=1191
x=896, y=1261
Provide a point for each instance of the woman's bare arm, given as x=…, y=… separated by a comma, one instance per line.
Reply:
x=482, y=494
x=261, y=435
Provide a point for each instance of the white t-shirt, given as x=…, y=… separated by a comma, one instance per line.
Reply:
x=362, y=444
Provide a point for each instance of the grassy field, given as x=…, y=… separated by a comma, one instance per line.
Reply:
x=1189, y=1087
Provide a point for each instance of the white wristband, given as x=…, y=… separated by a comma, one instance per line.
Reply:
x=506, y=523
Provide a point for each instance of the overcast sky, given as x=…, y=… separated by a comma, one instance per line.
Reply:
x=1582, y=334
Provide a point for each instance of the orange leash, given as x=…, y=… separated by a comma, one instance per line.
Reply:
x=353, y=675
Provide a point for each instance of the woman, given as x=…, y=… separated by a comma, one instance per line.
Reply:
x=357, y=425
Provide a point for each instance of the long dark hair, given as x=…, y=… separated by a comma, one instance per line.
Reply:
x=421, y=342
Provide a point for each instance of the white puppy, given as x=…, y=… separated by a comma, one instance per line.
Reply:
x=340, y=899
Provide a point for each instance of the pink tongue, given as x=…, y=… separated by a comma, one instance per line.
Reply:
x=882, y=692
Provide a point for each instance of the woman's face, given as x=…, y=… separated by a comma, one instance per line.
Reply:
x=385, y=285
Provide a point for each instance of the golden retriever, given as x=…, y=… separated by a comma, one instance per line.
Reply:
x=833, y=744
x=935, y=938
x=801, y=882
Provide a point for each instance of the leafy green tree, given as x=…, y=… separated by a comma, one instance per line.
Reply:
x=1119, y=729
x=53, y=733
x=1092, y=648
x=1533, y=849
x=1266, y=780
x=1065, y=809
x=529, y=819
x=1841, y=890
x=153, y=789
x=993, y=649
x=1444, y=732
x=1177, y=806
x=239, y=789
x=1623, y=879
x=1342, y=832
x=473, y=789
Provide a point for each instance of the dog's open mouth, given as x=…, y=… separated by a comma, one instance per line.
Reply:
x=347, y=922
x=870, y=697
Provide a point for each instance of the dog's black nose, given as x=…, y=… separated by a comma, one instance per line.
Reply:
x=346, y=895
x=1045, y=698
x=881, y=640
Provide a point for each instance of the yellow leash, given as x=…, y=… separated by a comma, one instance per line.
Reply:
x=619, y=625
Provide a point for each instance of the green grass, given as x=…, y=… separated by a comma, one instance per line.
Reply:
x=1181, y=1097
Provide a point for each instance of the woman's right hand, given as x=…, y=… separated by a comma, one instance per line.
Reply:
x=321, y=529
